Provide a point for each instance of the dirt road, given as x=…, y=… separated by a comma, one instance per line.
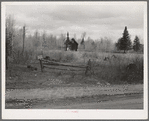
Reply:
x=111, y=97
x=128, y=101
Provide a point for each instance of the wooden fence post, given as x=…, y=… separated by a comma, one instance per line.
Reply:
x=88, y=67
x=40, y=57
x=41, y=65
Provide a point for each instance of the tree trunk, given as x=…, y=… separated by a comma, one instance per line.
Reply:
x=23, y=39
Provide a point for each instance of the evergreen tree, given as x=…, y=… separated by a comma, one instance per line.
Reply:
x=124, y=43
x=136, y=44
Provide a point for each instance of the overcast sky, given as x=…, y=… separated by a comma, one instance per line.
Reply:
x=97, y=20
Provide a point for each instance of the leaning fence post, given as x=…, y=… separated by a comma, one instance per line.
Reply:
x=40, y=59
x=88, y=67
x=86, y=70
x=41, y=65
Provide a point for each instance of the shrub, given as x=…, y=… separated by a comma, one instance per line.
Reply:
x=115, y=70
x=134, y=75
x=22, y=58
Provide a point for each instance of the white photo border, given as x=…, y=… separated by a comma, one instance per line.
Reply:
x=70, y=114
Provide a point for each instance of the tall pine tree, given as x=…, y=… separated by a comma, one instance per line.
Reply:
x=124, y=43
x=136, y=44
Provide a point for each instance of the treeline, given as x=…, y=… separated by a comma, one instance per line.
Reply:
x=124, y=43
x=101, y=45
x=21, y=40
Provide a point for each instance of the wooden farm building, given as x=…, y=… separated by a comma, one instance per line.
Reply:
x=70, y=44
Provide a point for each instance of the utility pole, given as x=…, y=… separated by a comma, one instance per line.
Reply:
x=23, y=38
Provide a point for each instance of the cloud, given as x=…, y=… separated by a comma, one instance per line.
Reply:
x=96, y=20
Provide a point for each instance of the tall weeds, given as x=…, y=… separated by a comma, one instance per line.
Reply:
x=114, y=70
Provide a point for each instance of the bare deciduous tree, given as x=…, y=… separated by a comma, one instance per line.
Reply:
x=9, y=37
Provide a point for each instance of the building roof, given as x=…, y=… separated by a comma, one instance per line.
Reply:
x=68, y=42
x=73, y=40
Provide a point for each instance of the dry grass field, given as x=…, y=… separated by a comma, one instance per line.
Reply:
x=111, y=71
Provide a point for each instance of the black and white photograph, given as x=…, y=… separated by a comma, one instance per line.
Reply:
x=74, y=60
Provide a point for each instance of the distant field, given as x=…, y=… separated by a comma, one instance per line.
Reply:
x=99, y=56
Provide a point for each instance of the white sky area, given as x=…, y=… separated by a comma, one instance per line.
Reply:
x=97, y=20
